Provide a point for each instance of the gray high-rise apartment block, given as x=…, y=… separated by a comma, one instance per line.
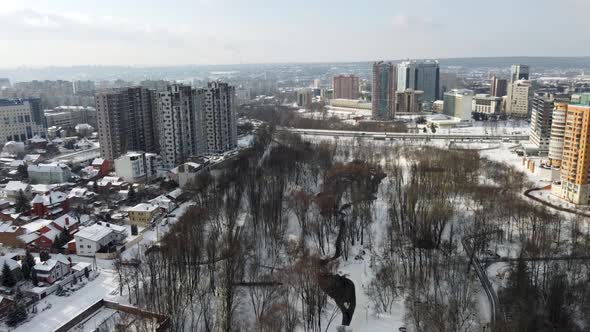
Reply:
x=423, y=75
x=519, y=72
x=180, y=124
x=219, y=112
x=126, y=121
x=543, y=105
x=383, y=91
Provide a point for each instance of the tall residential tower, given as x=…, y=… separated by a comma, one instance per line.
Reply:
x=383, y=94
x=126, y=121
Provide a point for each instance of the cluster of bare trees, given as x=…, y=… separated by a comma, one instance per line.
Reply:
x=259, y=247
x=285, y=117
x=437, y=197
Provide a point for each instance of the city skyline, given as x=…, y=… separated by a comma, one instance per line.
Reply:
x=149, y=33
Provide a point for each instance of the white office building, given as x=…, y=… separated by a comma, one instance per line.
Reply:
x=486, y=104
x=458, y=104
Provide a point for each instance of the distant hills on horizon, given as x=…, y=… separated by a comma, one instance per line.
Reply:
x=105, y=72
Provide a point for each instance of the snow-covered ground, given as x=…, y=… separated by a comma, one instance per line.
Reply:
x=105, y=286
x=62, y=309
x=365, y=319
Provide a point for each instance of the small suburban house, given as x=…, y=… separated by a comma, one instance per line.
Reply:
x=42, y=232
x=142, y=214
x=50, y=204
x=13, y=188
x=53, y=269
x=49, y=173
x=9, y=235
x=98, y=237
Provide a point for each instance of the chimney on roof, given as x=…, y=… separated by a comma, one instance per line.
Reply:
x=67, y=221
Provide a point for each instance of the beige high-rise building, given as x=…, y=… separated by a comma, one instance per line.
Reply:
x=126, y=121
x=345, y=87
x=518, y=101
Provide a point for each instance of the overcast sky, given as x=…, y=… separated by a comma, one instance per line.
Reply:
x=170, y=32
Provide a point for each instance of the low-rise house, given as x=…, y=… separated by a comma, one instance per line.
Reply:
x=13, y=265
x=164, y=202
x=102, y=166
x=9, y=235
x=114, y=182
x=53, y=269
x=49, y=173
x=32, y=159
x=51, y=204
x=13, y=188
x=143, y=214
x=101, y=237
x=81, y=197
x=41, y=234
x=187, y=172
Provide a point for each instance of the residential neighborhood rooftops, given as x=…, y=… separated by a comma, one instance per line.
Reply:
x=143, y=207
x=16, y=186
x=51, y=198
x=50, y=264
x=94, y=232
x=36, y=225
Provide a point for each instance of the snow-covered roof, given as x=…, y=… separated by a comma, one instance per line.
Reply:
x=52, y=233
x=12, y=264
x=52, y=167
x=36, y=225
x=93, y=233
x=71, y=220
x=16, y=186
x=175, y=193
x=114, y=180
x=32, y=157
x=53, y=197
x=143, y=207
x=17, y=163
x=28, y=238
x=7, y=227
x=98, y=162
x=80, y=266
x=78, y=192
x=43, y=188
x=38, y=139
x=49, y=264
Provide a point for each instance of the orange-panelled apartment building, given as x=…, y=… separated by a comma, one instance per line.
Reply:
x=575, y=161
